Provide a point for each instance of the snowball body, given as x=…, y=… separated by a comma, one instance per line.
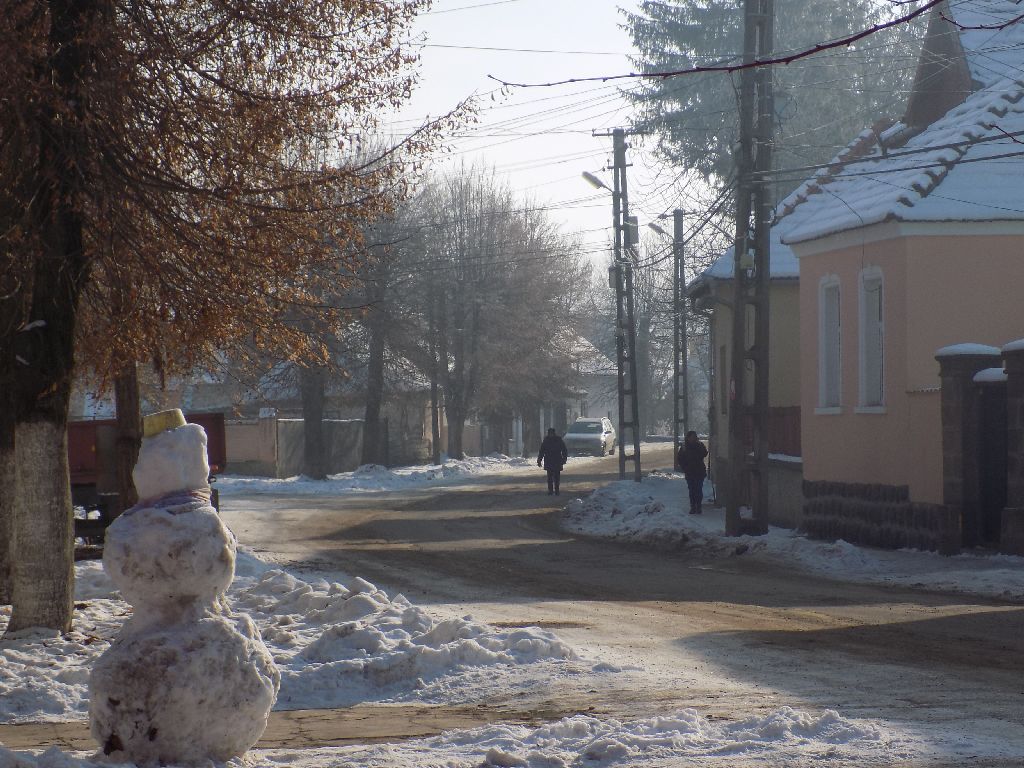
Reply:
x=186, y=681
x=167, y=560
x=194, y=692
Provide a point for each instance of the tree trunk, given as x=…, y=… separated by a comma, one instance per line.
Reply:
x=311, y=385
x=531, y=430
x=456, y=414
x=43, y=584
x=439, y=358
x=129, y=435
x=43, y=574
x=435, y=420
x=6, y=498
x=372, y=453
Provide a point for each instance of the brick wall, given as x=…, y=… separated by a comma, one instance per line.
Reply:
x=878, y=516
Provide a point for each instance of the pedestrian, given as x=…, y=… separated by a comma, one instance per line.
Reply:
x=691, y=461
x=553, y=454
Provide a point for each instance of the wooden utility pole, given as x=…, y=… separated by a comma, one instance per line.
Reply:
x=625, y=327
x=752, y=272
x=680, y=379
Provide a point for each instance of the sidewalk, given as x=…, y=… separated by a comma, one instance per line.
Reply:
x=304, y=728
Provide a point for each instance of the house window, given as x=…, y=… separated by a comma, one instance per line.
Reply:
x=829, y=344
x=872, y=338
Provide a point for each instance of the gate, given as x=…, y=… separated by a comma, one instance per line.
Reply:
x=992, y=446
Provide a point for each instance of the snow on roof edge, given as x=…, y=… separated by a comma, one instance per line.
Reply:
x=957, y=350
x=989, y=376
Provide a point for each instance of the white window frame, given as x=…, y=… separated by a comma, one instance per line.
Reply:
x=826, y=404
x=870, y=277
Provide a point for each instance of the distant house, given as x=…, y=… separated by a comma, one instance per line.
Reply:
x=597, y=382
x=907, y=249
x=713, y=290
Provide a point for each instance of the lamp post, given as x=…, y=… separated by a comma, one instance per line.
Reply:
x=621, y=275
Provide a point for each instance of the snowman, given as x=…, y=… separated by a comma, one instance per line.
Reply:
x=186, y=681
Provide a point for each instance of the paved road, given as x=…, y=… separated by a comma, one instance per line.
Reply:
x=726, y=634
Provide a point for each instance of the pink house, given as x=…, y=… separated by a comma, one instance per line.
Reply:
x=906, y=252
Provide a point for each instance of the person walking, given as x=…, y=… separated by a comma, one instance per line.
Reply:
x=553, y=454
x=691, y=461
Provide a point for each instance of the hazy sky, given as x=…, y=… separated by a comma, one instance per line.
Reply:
x=539, y=139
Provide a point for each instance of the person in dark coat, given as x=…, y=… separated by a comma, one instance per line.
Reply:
x=553, y=454
x=691, y=461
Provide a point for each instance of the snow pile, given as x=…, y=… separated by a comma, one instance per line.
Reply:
x=683, y=735
x=647, y=513
x=338, y=644
x=784, y=737
x=334, y=644
x=374, y=477
x=652, y=513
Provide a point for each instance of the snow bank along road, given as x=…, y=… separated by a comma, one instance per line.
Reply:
x=707, y=628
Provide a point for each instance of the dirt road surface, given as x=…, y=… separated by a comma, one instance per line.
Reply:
x=730, y=636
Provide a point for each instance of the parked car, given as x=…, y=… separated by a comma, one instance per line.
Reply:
x=591, y=435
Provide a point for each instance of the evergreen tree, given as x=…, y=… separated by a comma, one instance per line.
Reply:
x=822, y=102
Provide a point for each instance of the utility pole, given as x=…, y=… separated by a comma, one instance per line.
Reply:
x=621, y=274
x=680, y=367
x=754, y=209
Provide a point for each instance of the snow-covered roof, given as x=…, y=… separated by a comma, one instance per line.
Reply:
x=961, y=167
x=783, y=261
x=591, y=360
x=992, y=54
x=783, y=264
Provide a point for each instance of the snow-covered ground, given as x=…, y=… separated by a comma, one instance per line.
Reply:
x=374, y=477
x=340, y=644
x=340, y=640
x=652, y=512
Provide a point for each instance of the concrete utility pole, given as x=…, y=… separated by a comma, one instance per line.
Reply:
x=680, y=379
x=754, y=211
x=625, y=327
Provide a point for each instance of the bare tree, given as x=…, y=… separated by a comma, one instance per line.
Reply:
x=157, y=154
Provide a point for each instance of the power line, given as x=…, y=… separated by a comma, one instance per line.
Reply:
x=521, y=50
x=731, y=68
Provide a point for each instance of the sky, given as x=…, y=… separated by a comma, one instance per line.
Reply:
x=539, y=140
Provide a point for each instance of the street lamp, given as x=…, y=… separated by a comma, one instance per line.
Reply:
x=659, y=230
x=620, y=278
x=594, y=181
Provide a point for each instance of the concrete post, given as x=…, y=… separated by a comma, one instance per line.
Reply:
x=1011, y=539
x=961, y=471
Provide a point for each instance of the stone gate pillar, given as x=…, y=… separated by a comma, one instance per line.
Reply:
x=1011, y=537
x=961, y=474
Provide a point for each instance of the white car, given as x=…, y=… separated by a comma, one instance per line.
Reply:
x=590, y=435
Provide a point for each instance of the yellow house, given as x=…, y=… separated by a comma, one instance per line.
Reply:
x=713, y=290
x=906, y=252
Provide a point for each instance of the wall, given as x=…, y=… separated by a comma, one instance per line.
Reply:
x=939, y=290
x=785, y=493
x=849, y=444
x=960, y=289
x=784, y=372
x=252, y=447
x=343, y=441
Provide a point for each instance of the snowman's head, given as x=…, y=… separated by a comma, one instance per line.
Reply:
x=173, y=460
